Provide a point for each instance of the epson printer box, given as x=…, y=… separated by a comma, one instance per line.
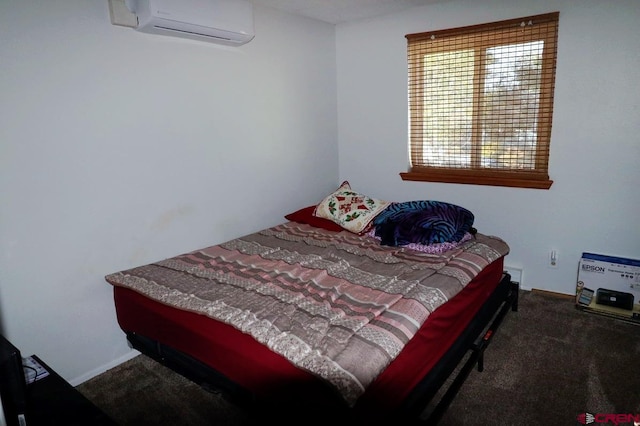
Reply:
x=609, y=284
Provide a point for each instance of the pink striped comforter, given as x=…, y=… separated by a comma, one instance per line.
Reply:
x=336, y=304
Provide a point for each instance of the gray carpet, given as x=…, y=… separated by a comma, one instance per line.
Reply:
x=548, y=363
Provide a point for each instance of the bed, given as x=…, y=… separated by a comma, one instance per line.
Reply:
x=343, y=313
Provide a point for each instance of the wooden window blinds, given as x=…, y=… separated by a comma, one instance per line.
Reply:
x=481, y=102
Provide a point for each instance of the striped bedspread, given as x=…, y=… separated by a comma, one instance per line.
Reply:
x=339, y=305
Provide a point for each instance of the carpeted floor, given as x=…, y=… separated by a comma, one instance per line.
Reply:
x=143, y=392
x=548, y=363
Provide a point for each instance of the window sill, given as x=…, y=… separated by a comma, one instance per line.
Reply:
x=513, y=180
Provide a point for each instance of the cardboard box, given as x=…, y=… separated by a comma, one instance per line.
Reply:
x=600, y=272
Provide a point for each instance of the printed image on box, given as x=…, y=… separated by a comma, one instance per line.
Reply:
x=609, y=284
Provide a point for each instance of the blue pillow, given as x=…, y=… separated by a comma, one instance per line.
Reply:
x=422, y=222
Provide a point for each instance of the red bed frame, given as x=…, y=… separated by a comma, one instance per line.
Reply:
x=218, y=356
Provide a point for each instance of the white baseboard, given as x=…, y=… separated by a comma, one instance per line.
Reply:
x=96, y=372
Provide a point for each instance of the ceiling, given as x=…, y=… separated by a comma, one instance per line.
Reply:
x=337, y=11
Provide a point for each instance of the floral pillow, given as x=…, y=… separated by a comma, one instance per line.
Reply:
x=349, y=209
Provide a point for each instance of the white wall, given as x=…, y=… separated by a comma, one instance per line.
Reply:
x=594, y=203
x=119, y=148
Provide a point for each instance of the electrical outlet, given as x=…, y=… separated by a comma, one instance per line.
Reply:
x=553, y=259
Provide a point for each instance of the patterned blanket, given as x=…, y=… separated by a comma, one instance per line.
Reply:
x=339, y=305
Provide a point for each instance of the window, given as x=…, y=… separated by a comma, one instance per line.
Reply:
x=481, y=103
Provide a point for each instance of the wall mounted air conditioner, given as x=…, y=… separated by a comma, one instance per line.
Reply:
x=221, y=21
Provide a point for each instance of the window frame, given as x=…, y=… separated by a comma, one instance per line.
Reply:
x=494, y=34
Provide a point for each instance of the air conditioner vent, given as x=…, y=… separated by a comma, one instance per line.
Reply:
x=223, y=21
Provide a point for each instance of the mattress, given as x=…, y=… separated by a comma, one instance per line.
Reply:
x=466, y=279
